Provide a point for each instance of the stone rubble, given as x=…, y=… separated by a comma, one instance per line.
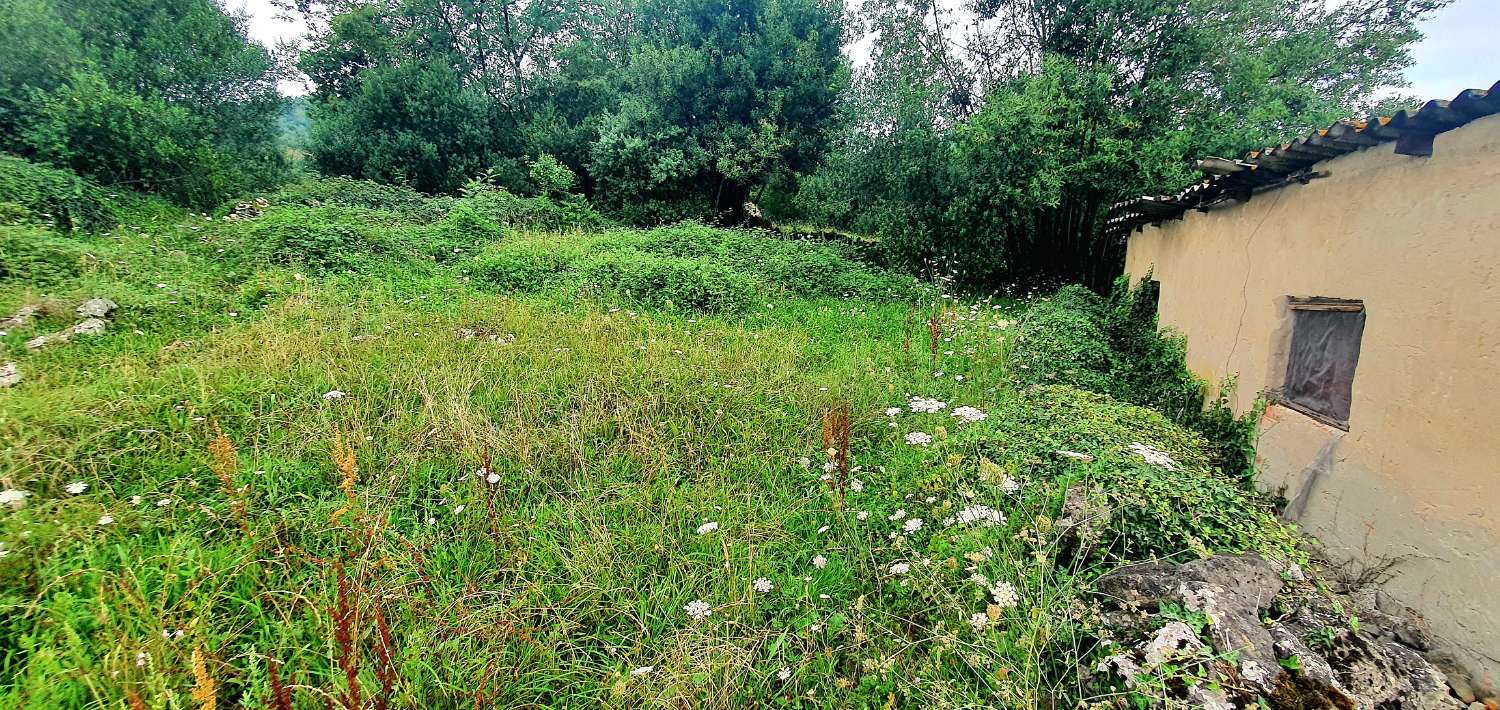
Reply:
x=1374, y=663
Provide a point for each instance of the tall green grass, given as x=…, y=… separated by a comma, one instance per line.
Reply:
x=541, y=426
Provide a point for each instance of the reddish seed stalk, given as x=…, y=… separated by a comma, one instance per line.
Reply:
x=344, y=624
x=385, y=667
x=281, y=696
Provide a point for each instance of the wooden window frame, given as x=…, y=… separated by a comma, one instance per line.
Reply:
x=1317, y=303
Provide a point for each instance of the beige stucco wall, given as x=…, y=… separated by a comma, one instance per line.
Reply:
x=1416, y=479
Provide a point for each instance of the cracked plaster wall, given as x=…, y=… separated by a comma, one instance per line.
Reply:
x=1416, y=479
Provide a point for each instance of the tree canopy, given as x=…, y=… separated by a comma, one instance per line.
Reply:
x=167, y=96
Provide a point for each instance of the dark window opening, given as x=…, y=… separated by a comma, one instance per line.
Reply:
x=1320, y=366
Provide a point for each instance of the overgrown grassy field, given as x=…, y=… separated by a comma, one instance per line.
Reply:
x=351, y=447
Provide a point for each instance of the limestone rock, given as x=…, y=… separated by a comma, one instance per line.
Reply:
x=23, y=317
x=9, y=375
x=97, y=308
x=1231, y=590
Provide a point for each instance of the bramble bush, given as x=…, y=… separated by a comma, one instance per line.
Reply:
x=52, y=196
x=1113, y=345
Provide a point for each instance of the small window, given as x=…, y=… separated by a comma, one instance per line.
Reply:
x=1325, y=349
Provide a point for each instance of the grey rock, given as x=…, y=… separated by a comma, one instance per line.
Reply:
x=1313, y=666
x=1231, y=590
x=89, y=326
x=1200, y=696
x=22, y=317
x=1390, y=675
x=97, y=308
x=9, y=375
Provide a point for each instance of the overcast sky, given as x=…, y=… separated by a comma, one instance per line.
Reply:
x=1460, y=50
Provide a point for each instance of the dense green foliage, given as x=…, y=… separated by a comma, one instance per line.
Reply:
x=167, y=96
x=59, y=198
x=1001, y=143
x=540, y=426
x=663, y=109
x=1114, y=346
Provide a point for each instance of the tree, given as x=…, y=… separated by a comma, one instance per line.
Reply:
x=169, y=96
x=1001, y=140
x=662, y=109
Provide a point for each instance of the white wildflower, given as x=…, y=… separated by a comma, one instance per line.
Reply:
x=76, y=487
x=892, y=411
x=1076, y=456
x=1009, y=485
x=1005, y=596
x=492, y=478
x=899, y=514
x=698, y=609
x=922, y=404
x=969, y=415
x=106, y=519
x=979, y=620
x=13, y=498
x=829, y=467
x=762, y=585
x=804, y=461
x=856, y=485
x=912, y=525
x=1153, y=456
x=900, y=568
x=163, y=502
x=785, y=674
x=862, y=515
x=707, y=527
x=333, y=394
x=918, y=438
x=820, y=562
x=980, y=515
x=643, y=670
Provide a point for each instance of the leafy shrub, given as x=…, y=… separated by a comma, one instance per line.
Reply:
x=504, y=207
x=348, y=192
x=37, y=255
x=523, y=266
x=320, y=238
x=1113, y=345
x=669, y=282
x=798, y=267
x=1153, y=510
x=1061, y=340
x=463, y=230
x=51, y=195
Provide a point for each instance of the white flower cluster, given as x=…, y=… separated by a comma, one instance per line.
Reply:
x=912, y=525
x=707, y=527
x=969, y=415
x=980, y=515
x=1153, y=456
x=762, y=585
x=1010, y=485
x=900, y=568
x=76, y=487
x=13, y=498
x=979, y=620
x=892, y=411
x=929, y=406
x=1005, y=596
x=698, y=609
x=918, y=438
